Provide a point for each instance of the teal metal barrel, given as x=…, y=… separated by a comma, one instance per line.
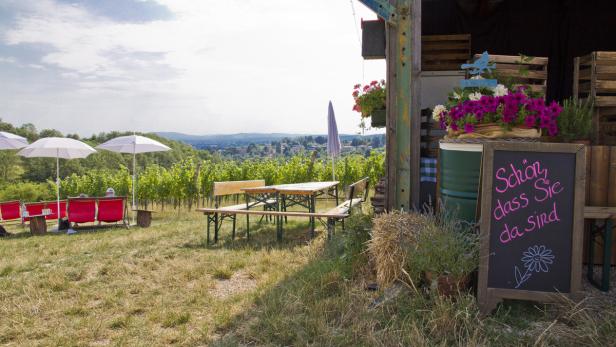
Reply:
x=460, y=167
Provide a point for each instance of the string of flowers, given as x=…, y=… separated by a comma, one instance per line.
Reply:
x=467, y=108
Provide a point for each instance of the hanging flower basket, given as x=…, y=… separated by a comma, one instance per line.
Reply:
x=370, y=102
x=378, y=118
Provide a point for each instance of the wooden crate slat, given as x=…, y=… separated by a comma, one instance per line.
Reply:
x=605, y=62
x=458, y=37
x=445, y=52
x=540, y=75
x=603, y=55
x=605, y=101
x=586, y=59
x=514, y=59
x=434, y=66
x=444, y=56
x=604, y=86
x=443, y=46
x=585, y=73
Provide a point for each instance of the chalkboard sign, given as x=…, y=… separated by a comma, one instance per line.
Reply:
x=532, y=206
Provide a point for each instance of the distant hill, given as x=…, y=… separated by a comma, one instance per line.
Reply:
x=242, y=139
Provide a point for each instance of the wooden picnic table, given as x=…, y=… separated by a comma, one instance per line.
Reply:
x=294, y=194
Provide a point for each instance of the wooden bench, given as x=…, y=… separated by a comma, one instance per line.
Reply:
x=219, y=213
x=338, y=213
x=359, y=188
x=607, y=214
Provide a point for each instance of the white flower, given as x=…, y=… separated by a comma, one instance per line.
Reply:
x=500, y=90
x=477, y=77
x=457, y=96
x=438, y=109
x=474, y=96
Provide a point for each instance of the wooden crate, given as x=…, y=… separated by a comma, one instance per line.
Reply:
x=600, y=188
x=594, y=76
x=444, y=52
x=531, y=71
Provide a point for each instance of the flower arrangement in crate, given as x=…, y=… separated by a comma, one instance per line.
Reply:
x=370, y=102
x=498, y=112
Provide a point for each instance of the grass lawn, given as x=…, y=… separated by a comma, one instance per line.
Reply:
x=163, y=285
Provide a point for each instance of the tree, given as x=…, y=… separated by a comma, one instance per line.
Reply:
x=376, y=142
x=321, y=140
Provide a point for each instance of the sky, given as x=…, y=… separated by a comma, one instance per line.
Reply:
x=197, y=67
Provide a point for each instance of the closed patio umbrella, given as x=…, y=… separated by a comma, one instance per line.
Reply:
x=57, y=147
x=133, y=144
x=12, y=141
x=333, y=140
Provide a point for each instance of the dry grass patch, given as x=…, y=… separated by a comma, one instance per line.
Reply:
x=153, y=286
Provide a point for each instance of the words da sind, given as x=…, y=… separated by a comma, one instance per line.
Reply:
x=538, y=192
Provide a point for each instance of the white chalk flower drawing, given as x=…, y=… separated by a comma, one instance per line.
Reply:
x=536, y=259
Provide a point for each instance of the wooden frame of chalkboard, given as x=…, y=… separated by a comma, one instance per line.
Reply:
x=489, y=295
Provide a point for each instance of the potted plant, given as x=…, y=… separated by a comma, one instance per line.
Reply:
x=370, y=102
x=575, y=121
x=446, y=256
x=498, y=112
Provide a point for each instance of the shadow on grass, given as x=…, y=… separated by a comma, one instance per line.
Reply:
x=262, y=235
x=325, y=303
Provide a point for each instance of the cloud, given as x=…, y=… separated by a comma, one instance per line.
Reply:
x=211, y=66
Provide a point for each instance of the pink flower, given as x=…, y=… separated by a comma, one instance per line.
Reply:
x=357, y=86
x=468, y=128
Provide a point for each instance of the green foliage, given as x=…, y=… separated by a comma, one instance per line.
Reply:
x=28, y=192
x=190, y=180
x=445, y=247
x=575, y=120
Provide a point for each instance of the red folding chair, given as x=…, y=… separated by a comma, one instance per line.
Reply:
x=81, y=210
x=10, y=211
x=112, y=210
x=34, y=209
x=53, y=207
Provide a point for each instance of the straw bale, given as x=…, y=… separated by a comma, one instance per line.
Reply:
x=394, y=234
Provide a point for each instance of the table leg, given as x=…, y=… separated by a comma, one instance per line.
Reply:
x=284, y=206
x=312, y=209
x=336, y=193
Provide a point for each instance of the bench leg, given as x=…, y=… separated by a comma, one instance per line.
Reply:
x=233, y=230
x=278, y=228
x=216, y=227
x=207, y=232
x=331, y=227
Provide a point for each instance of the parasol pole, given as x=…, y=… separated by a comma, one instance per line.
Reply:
x=58, y=186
